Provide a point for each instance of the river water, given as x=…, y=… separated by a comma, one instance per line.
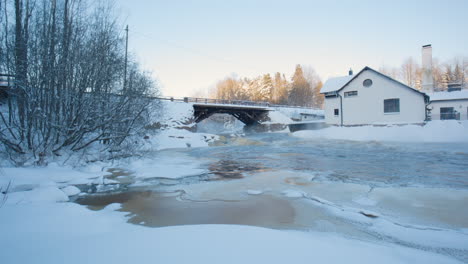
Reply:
x=366, y=190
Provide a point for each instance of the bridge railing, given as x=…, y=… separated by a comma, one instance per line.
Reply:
x=225, y=102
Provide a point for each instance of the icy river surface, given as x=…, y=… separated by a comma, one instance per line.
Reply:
x=414, y=195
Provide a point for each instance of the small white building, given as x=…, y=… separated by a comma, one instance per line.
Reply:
x=449, y=105
x=446, y=105
x=370, y=97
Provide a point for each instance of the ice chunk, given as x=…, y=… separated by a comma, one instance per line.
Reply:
x=254, y=192
x=71, y=190
x=293, y=193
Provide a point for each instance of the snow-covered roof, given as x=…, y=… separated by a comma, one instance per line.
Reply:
x=441, y=96
x=338, y=83
x=334, y=84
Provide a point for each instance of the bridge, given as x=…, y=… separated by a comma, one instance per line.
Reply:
x=249, y=115
x=248, y=112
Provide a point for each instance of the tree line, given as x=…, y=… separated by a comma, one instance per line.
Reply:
x=69, y=92
x=410, y=73
x=303, y=89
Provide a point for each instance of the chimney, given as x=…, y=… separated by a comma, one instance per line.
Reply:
x=427, y=78
x=350, y=72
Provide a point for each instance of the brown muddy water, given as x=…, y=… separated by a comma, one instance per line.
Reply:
x=155, y=209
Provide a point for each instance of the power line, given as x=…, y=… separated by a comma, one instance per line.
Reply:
x=188, y=49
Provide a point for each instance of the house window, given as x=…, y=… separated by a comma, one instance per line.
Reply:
x=351, y=93
x=392, y=105
x=337, y=112
x=447, y=113
x=367, y=83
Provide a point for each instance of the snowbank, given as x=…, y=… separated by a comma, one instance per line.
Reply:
x=172, y=121
x=28, y=178
x=78, y=235
x=171, y=114
x=434, y=131
x=276, y=117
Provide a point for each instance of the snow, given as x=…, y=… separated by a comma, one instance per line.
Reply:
x=47, y=194
x=173, y=113
x=433, y=131
x=336, y=83
x=178, y=138
x=167, y=166
x=277, y=117
x=439, y=96
x=295, y=112
x=38, y=223
x=27, y=178
x=71, y=232
x=71, y=190
x=254, y=192
x=293, y=193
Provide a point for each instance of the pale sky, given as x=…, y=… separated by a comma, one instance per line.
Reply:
x=190, y=45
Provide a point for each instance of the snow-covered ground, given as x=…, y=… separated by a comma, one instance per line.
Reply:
x=433, y=131
x=347, y=222
x=69, y=233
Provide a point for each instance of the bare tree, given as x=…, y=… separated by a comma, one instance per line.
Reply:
x=411, y=73
x=68, y=63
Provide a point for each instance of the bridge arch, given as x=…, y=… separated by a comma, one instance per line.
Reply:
x=249, y=115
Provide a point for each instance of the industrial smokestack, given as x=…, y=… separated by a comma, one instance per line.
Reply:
x=427, y=78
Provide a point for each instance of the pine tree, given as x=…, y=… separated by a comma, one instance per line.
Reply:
x=300, y=93
x=280, y=93
x=266, y=92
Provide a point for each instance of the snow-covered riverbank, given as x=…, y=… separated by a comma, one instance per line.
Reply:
x=350, y=204
x=65, y=232
x=433, y=131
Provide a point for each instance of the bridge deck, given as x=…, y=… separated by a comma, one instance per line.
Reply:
x=232, y=106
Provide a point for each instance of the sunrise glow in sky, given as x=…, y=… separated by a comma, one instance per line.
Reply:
x=190, y=45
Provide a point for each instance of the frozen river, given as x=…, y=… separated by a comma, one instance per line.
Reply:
x=413, y=195
x=373, y=163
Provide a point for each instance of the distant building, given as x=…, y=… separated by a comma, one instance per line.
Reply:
x=450, y=104
x=370, y=97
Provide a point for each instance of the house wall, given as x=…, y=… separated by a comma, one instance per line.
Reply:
x=330, y=105
x=368, y=106
x=461, y=106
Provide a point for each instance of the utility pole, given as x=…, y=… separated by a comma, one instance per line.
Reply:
x=126, y=61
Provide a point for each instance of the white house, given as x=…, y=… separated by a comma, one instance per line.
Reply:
x=449, y=105
x=370, y=97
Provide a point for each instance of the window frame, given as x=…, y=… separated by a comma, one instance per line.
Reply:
x=397, y=106
x=336, y=112
x=351, y=94
x=370, y=84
